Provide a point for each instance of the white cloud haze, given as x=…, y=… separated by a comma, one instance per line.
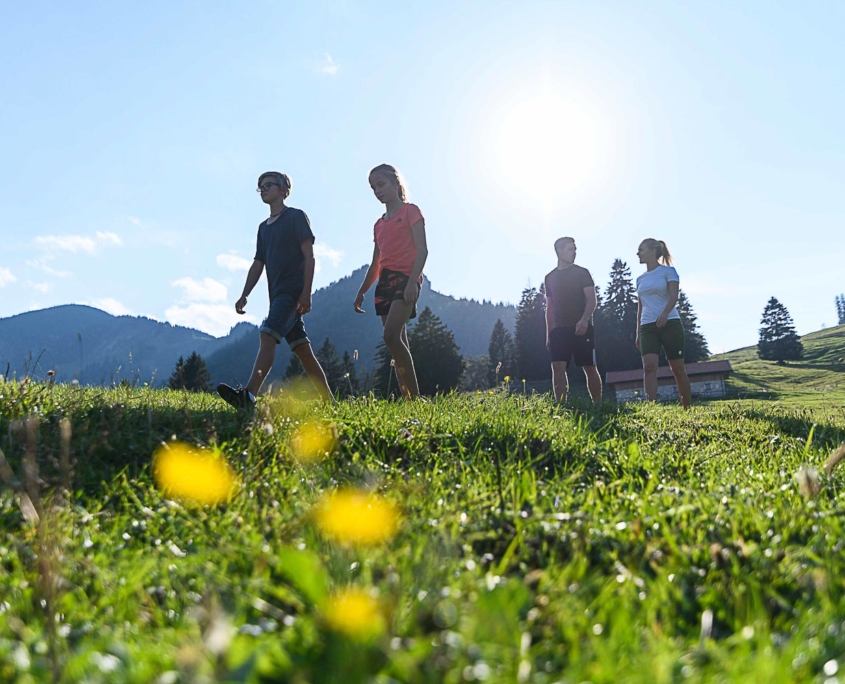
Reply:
x=206, y=290
x=324, y=252
x=214, y=319
x=6, y=276
x=77, y=243
x=233, y=263
x=329, y=66
x=112, y=306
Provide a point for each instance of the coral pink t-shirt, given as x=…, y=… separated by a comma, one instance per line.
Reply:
x=394, y=240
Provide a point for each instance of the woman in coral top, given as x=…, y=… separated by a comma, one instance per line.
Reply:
x=398, y=258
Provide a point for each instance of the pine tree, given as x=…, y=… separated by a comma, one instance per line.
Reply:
x=840, y=308
x=695, y=345
x=476, y=373
x=778, y=340
x=500, y=351
x=331, y=363
x=384, y=382
x=437, y=357
x=294, y=369
x=532, y=357
x=191, y=375
x=350, y=385
x=615, y=322
x=177, y=378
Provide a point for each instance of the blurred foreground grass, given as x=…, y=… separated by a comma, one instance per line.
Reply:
x=472, y=538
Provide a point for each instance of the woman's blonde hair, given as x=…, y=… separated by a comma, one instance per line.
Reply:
x=660, y=249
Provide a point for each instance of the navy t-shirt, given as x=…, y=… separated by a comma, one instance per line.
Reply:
x=279, y=248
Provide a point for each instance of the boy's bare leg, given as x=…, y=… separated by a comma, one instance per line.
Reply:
x=314, y=370
x=263, y=363
x=560, y=382
x=593, y=383
x=396, y=340
x=680, y=372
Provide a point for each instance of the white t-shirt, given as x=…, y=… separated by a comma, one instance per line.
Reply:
x=653, y=291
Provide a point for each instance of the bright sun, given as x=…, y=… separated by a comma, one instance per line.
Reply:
x=546, y=148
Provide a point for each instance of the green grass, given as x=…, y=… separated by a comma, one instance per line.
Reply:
x=818, y=379
x=537, y=544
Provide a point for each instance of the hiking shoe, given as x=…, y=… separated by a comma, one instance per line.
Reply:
x=238, y=397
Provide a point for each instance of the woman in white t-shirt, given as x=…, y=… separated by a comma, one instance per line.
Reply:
x=658, y=322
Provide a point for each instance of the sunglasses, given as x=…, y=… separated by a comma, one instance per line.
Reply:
x=266, y=186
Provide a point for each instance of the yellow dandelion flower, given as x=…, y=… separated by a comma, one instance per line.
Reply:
x=354, y=613
x=507, y=378
x=193, y=475
x=313, y=441
x=358, y=518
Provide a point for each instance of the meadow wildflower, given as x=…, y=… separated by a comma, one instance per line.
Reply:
x=194, y=475
x=313, y=441
x=357, y=518
x=355, y=614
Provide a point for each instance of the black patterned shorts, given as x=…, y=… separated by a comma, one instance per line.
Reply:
x=391, y=288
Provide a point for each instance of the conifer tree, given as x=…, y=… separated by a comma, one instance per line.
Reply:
x=437, y=357
x=500, y=351
x=191, y=375
x=840, y=308
x=695, y=345
x=331, y=363
x=294, y=369
x=532, y=357
x=778, y=340
x=350, y=385
x=615, y=322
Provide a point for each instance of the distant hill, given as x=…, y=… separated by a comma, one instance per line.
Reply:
x=116, y=347
x=818, y=378
x=83, y=343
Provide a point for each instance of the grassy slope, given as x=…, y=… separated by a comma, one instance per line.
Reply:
x=817, y=379
x=537, y=545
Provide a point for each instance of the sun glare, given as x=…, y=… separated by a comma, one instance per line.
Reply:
x=545, y=147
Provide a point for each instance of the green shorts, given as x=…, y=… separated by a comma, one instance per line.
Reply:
x=670, y=337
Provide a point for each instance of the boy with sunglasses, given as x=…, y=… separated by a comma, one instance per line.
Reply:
x=285, y=247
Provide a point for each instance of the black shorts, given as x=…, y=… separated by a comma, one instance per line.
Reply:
x=391, y=288
x=564, y=344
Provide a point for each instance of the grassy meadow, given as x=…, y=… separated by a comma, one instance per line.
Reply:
x=817, y=379
x=480, y=537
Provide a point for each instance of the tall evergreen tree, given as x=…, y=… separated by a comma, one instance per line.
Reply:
x=350, y=385
x=778, y=340
x=615, y=322
x=294, y=369
x=384, y=382
x=191, y=375
x=695, y=345
x=177, y=378
x=532, y=357
x=476, y=373
x=840, y=308
x=500, y=350
x=332, y=365
x=437, y=357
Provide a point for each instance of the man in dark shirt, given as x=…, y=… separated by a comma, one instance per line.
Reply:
x=570, y=302
x=285, y=247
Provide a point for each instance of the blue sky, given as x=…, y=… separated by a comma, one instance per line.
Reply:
x=132, y=137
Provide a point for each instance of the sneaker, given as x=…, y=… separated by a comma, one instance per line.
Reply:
x=240, y=397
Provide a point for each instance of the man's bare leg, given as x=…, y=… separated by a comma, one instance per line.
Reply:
x=560, y=382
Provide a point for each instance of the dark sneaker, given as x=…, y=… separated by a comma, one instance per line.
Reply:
x=239, y=398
